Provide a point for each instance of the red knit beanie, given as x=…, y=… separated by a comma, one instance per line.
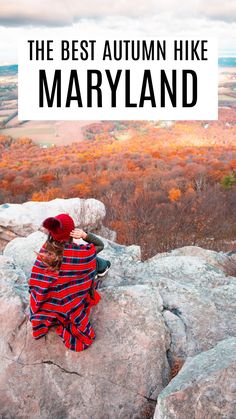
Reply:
x=60, y=226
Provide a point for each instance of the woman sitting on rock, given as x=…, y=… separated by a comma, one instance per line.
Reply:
x=63, y=283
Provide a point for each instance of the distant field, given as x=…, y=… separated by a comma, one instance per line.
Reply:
x=67, y=132
x=27, y=131
x=49, y=132
x=226, y=97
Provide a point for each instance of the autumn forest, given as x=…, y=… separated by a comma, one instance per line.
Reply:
x=165, y=185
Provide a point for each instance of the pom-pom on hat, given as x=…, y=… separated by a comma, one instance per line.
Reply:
x=60, y=226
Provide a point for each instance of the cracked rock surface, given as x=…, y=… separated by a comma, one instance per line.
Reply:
x=177, y=305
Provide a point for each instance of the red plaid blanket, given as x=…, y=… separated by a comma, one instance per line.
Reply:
x=63, y=299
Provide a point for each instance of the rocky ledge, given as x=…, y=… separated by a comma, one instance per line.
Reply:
x=19, y=220
x=165, y=341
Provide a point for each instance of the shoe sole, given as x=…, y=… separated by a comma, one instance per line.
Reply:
x=100, y=275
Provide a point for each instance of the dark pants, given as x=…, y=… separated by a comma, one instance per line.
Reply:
x=101, y=264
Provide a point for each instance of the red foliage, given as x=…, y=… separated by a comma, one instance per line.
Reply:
x=161, y=186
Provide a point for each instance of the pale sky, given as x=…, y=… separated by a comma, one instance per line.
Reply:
x=140, y=18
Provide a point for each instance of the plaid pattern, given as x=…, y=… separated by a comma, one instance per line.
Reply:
x=62, y=299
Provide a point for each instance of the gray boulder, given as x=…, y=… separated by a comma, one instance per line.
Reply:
x=23, y=251
x=204, y=388
x=23, y=219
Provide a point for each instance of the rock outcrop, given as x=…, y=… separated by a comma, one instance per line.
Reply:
x=119, y=376
x=204, y=388
x=176, y=308
x=19, y=220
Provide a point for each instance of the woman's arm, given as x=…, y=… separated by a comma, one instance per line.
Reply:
x=89, y=238
x=98, y=243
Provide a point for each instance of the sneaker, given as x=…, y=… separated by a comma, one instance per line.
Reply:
x=101, y=274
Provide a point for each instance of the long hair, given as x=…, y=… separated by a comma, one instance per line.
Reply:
x=52, y=254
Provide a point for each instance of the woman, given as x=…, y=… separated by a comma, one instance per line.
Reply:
x=63, y=284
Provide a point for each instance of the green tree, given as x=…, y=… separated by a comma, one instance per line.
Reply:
x=228, y=181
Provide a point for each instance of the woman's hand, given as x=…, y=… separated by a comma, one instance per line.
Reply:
x=77, y=233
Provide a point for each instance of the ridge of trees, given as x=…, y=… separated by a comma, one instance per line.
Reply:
x=163, y=187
